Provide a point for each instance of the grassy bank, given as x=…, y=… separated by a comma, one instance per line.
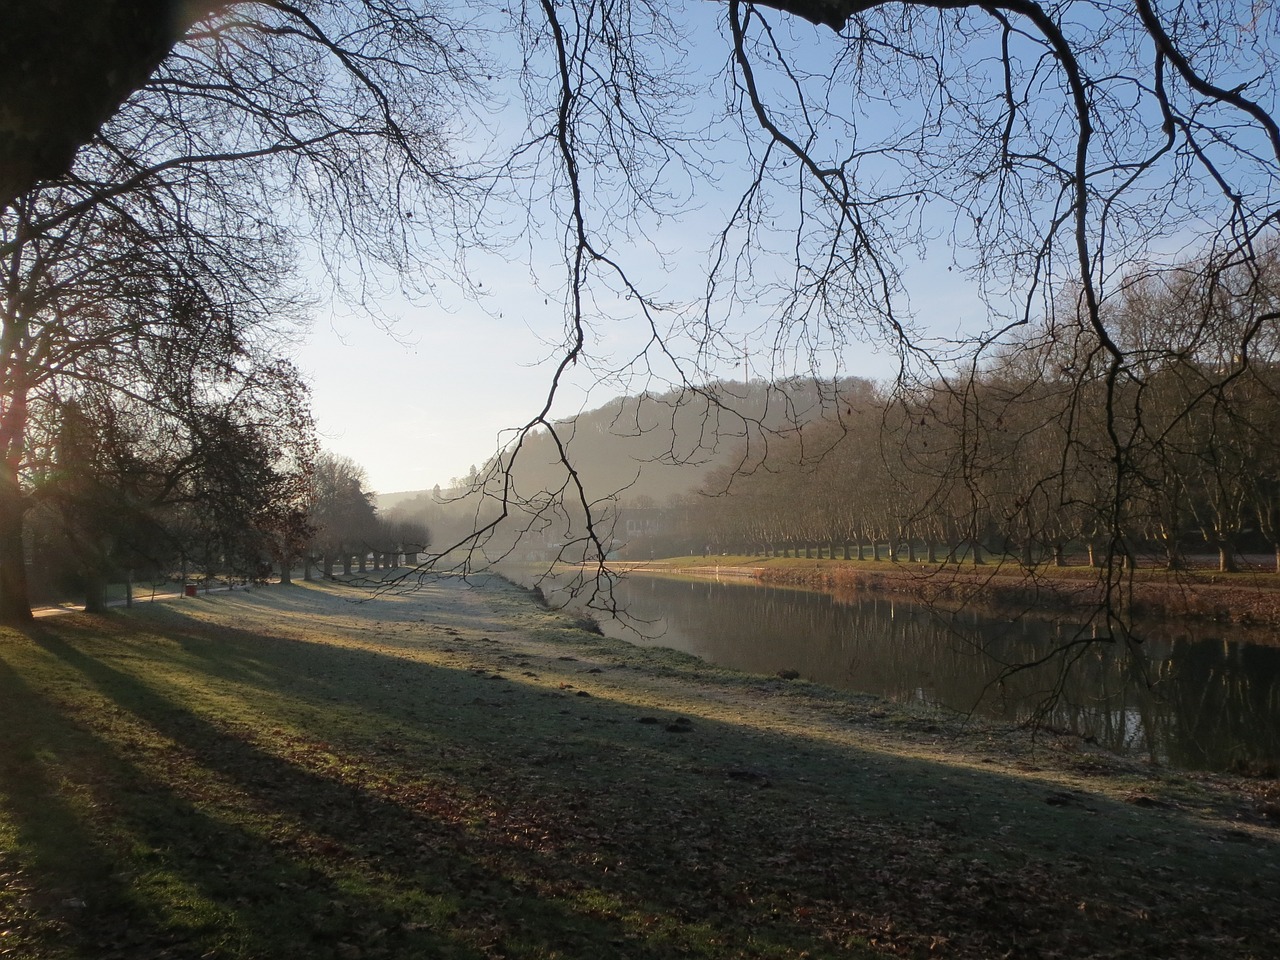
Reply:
x=1248, y=597
x=458, y=773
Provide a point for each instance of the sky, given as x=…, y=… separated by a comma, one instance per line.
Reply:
x=420, y=404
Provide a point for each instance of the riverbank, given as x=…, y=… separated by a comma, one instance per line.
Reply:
x=1246, y=598
x=460, y=773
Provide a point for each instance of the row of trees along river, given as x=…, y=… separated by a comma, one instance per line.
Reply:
x=241, y=516
x=1037, y=452
x=1019, y=455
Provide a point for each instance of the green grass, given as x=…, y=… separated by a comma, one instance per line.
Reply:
x=282, y=774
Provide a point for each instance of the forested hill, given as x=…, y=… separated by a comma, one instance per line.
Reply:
x=654, y=446
x=389, y=501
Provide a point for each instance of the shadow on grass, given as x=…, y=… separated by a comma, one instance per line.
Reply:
x=269, y=858
x=242, y=795
x=140, y=863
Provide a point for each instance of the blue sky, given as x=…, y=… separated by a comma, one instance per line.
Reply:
x=421, y=404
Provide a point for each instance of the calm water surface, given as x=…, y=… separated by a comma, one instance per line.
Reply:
x=1201, y=701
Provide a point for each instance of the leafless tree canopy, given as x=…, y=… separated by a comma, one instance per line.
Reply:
x=1054, y=154
x=1058, y=155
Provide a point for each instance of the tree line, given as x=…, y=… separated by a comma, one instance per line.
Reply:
x=98, y=515
x=170, y=165
x=1034, y=453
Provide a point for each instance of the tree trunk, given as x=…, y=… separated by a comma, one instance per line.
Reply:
x=15, y=602
x=95, y=592
x=977, y=554
x=286, y=572
x=846, y=549
x=307, y=563
x=1227, y=559
x=1059, y=559
x=933, y=550
x=346, y=564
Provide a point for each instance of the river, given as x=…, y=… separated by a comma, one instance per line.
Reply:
x=1199, y=699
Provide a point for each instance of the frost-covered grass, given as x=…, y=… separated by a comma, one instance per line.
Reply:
x=459, y=773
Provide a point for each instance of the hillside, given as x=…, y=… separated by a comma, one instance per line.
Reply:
x=644, y=449
x=389, y=501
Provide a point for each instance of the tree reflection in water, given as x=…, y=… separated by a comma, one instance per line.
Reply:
x=1200, y=701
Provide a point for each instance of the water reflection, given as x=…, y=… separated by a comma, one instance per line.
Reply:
x=1197, y=702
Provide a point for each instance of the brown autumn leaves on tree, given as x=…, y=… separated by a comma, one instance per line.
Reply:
x=1055, y=153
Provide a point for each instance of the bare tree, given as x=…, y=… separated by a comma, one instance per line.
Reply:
x=1052, y=146
x=131, y=308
